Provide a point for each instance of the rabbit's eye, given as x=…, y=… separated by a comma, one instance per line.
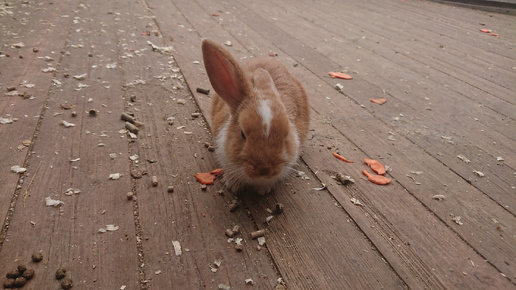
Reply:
x=243, y=135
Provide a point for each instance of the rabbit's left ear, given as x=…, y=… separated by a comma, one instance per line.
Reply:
x=226, y=76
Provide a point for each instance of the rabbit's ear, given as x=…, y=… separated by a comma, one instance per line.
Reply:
x=226, y=76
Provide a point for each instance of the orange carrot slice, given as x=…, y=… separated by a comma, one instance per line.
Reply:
x=375, y=165
x=494, y=34
x=342, y=158
x=215, y=14
x=379, y=101
x=217, y=172
x=340, y=75
x=205, y=177
x=378, y=179
x=485, y=30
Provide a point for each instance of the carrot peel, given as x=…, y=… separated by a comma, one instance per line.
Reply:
x=379, y=101
x=342, y=158
x=217, y=172
x=209, y=177
x=377, y=179
x=340, y=75
x=375, y=166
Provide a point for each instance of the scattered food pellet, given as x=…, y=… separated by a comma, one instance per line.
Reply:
x=170, y=189
x=35, y=49
x=127, y=117
x=37, y=257
x=233, y=206
x=19, y=282
x=279, y=208
x=203, y=91
x=60, y=273
x=21, y=268
x=132, y=128
x=154, y=181
x=229, y=233
x=13, y=274
x=258, y=233
x=499, y=228
x=236, y=229
x=9, y=283
x=66, y=284
x=28, y=274
x=196, y=115
x=339, y=88
x=239, y=247
x=92, y=113
x=344, y=179
x=130, y=195
x=10, y=89
x=204, y=187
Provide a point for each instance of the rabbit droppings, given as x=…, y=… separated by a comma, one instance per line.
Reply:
x=260, y=118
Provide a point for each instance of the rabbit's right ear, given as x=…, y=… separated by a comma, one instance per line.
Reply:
x=226, y=76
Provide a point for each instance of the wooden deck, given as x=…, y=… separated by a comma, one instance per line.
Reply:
x=450, y=90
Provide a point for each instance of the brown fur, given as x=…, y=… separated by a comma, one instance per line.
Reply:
x=261, y=157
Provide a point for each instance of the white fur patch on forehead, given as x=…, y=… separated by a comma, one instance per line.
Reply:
x=264, y=110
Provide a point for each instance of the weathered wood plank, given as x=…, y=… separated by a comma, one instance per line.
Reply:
x=423, y=126
x=327, y=93
x=68, y=236
x=22, y=69
x=309, y=257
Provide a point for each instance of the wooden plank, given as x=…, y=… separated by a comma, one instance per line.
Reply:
x=359, y=122
x=68, y=236
x=297, y=240
x=424, y=127
x=269, y=30
x=195, y=219
x=27, y=77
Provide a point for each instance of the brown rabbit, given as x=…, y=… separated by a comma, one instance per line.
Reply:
x=260, y=117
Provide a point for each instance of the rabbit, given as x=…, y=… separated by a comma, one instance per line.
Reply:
x=260, y=117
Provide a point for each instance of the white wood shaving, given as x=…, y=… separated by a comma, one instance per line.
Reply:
x=111, y=228
x=66, y=124
x=177, y=248
x=478, y=173
x=463, y=158
x=18, y=169
x=115, y=176
x=261, y=241
x=249, y=281
x=456, y=219
x=438, y=197
x=356, y=201
x=52, y=202
x=72, y=191
x=80, y=77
